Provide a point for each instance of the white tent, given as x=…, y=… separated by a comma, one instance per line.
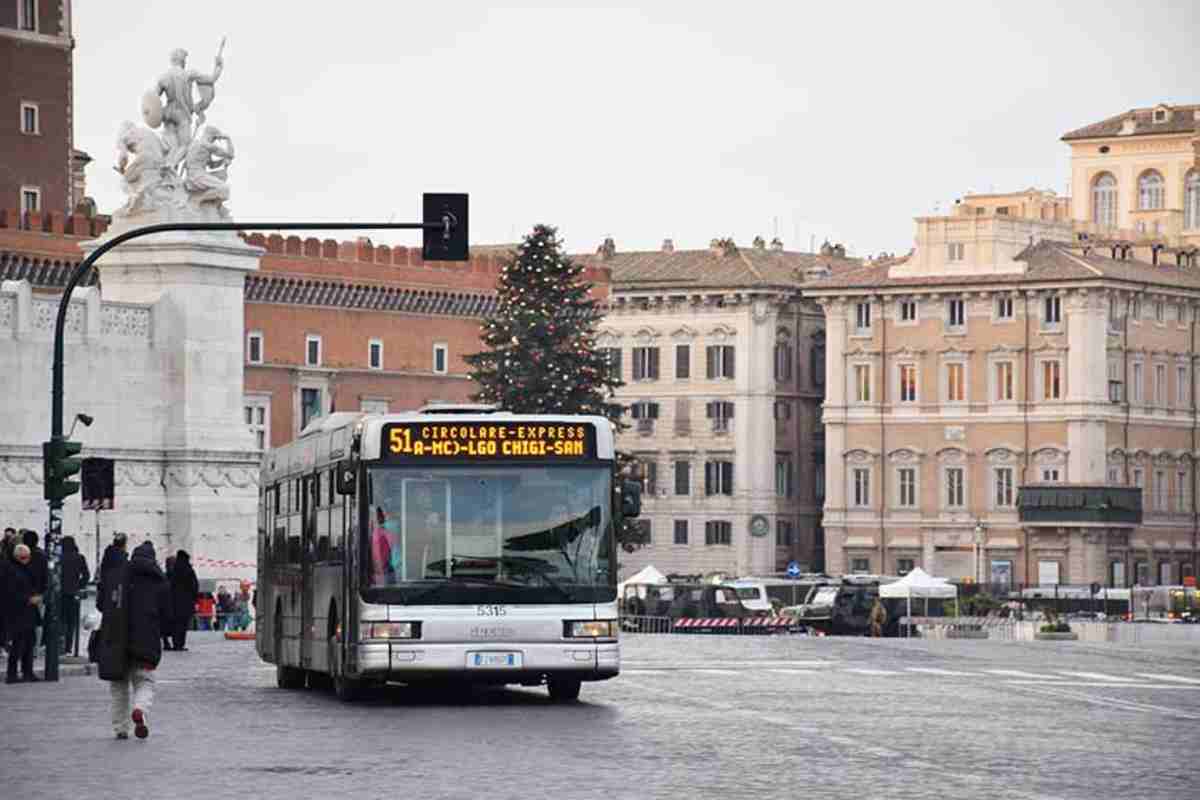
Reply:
x=647, y=574
x=919, y=583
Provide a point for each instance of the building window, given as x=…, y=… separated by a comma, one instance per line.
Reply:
x=1114, y=476
x=1181, y=387
x=254, y=347
x=1160, y=384
x=1181, y=491
x=1136, y=383
x=258, y=420
x=1114, y=315
x=783, y=533
x=719, y=361
x=310, y=406
x=862, y=487
x=1116, y=386
x=783, y=476
x=312, y=350
x=862, y=383
x=956, y=383
x=683, y=362
x=648, y=470
x=906, y=483
x=1004, y=308
x=783, y=361
x=904, y=566
x=681, y=531
x=612, y=358
x=1116, y=574
x=1004, y=487
x=30, y=119
x=1050, y=475
x=645, y=363
x=1150, y=190
x=955, y=251
x=1052, y=311
x=718, y=477
x=683, y=477
x=718, y=532
x=1051, y=379
x=1141, y=573
x=819, y=483
x=908, y=383
x=1104, y=201
x=720, y=412
x=862, y=318
x=1160, y=490
x=31, y=199
x=956, y=313
x=1005, y=390
x=908, y=310
x=28, y=20
x=375, y=354
x=644, y=412
x=1160, y=312
x=955, y=487
x=783, y=410
x=1191, y=200
x=1164, y=573
x=860, y=566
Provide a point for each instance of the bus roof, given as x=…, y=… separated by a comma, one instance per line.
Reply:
x=328, y=438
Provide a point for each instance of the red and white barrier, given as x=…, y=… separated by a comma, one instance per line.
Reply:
x=733, y=622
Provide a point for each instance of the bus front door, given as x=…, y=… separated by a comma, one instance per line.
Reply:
x=308, y=531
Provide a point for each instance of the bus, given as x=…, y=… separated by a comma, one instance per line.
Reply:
x=462, y=545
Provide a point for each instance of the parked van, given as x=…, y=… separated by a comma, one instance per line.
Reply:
x=769, y=594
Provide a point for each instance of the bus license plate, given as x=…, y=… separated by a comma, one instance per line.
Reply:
x=494, y=660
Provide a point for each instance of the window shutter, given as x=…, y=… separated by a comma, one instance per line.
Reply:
x=654, y=363
x=710, y=410
x=728, y=409
x=682, y=361
x=729, y=360
x=616, y=351
x=635, y=411
x=710, y=355
x=639, y=363
x=727, y=477
x=708, y=477
x=653, y=409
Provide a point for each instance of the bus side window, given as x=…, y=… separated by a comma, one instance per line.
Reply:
x=279, y=546
x=275, y=491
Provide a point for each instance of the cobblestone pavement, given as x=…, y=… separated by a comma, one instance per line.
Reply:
x=690, y=716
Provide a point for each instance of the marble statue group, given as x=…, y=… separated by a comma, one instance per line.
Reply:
x=182, y=173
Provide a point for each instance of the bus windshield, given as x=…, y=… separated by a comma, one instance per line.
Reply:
x=473, y=534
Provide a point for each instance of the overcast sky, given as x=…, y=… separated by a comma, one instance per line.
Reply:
x=682, y=120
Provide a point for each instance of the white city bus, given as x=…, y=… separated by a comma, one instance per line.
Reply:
x=445, y=544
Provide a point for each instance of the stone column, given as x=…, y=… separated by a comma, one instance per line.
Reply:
x=755, y=431
x=1087, y=385
x=195, y=281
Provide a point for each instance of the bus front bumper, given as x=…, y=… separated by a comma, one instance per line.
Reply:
x=414, y=661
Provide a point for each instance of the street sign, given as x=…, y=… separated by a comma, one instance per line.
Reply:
x=445, y=238
x=793, y=569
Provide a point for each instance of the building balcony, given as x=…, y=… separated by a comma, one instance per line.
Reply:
x=1065, y=504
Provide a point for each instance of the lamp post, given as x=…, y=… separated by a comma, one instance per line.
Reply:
x=980, y=528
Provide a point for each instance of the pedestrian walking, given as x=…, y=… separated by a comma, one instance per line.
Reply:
x=878, y=618
x=184, y=588
x=20, y=606
x=75, y=576
x=111, y=563
x=168, y=624
x=130, y=646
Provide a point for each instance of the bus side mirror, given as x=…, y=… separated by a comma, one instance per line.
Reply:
x=631, y=499
x=346, y=477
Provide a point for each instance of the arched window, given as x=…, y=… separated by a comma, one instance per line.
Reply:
x=1104, y=201
x=1191, y=200
x=1150, y=190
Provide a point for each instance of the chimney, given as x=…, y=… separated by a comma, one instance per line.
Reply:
x=723, y=247
x=839, y=251
x=608, y=249
x=760, y=243
x=668, y=246
x=777, y=245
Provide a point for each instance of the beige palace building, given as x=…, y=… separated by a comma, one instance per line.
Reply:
x=723, y=364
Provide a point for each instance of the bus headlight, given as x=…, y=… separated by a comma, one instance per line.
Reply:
x=390, y=630
x=591, y=629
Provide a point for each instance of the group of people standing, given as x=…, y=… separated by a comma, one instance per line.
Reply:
x=24, y=583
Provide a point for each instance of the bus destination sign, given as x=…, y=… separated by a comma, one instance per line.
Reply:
x=489, y=440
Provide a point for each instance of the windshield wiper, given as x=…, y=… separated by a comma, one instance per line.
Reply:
x=457, y=581
x=530, y=566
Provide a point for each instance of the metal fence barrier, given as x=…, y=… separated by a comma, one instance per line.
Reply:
x=729, y=626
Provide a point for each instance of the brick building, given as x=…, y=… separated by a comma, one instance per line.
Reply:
x=39, y=169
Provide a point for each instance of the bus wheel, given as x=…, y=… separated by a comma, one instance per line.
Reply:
x=563, y=690
x=346, y=689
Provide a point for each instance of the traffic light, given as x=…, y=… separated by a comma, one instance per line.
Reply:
x=446, y=239
x=58, y=464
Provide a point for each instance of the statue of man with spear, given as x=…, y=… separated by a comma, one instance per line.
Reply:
x=175, y=115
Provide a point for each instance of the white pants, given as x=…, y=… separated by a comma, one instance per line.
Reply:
x=141, y=680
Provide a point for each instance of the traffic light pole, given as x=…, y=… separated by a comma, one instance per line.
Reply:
x=449, y=221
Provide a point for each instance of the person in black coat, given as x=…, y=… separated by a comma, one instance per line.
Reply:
x=19, y=606
x=110, y=565
x=131, y=640
x=75, y=576
x=169, y=624
x=6, y=547
x=184, y=589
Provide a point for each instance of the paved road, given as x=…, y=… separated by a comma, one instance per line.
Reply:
x=691, y=716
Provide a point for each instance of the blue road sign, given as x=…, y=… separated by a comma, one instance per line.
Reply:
x=793, y=569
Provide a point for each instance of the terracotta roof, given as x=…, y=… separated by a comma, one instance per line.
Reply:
x=709, y=269
x=1183, y=120
x=1046, y=262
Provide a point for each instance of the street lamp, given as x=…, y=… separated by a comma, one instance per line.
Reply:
x=980, y=528
x=86, y=419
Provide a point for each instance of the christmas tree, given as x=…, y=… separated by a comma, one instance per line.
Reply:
x=541, y=356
